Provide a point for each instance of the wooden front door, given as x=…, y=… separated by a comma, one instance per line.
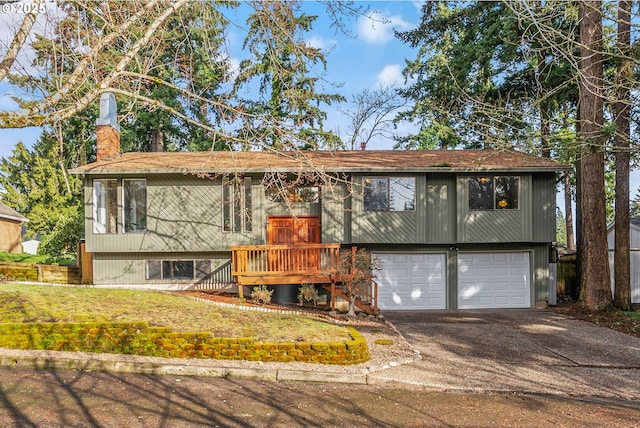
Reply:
x=293, y=230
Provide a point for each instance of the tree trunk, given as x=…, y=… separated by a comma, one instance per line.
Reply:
x=594, y=259
x=568, y=209
x=568, y=206
x=622, y=263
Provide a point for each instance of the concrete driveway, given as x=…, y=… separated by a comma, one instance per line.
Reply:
x=535, y=351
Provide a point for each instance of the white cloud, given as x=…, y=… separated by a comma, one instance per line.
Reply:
x=319, y=42
x=376, y=28
x=234, y=67
x=391, y=75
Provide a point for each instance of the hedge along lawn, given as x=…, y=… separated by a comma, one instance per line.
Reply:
x=52, y=304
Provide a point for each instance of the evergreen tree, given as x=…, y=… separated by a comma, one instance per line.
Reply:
x=287, y=113
x=37, y=184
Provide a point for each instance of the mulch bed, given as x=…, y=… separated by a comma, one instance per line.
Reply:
x=609, y=318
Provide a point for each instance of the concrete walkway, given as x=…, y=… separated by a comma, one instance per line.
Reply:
x=535, y=351
x=530, y=351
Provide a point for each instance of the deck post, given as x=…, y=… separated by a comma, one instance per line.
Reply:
x=333, y=293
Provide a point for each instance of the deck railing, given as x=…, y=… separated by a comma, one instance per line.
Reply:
x=253, y=264
x=305, y=263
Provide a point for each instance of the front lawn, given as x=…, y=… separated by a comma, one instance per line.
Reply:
x=166, y=325
x=47, y=304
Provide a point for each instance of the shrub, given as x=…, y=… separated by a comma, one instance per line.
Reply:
x=261, y=294
x=308, y=293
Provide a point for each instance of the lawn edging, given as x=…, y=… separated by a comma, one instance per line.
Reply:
x=140, y=339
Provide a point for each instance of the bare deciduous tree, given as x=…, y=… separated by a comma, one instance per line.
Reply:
x=372, y=116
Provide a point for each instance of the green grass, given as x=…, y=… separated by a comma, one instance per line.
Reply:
x=45, y=304
x=30, y=258
x=20, y=258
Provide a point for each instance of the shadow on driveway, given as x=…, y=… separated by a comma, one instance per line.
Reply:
x=516, y=350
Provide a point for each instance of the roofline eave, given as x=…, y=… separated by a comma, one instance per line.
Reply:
x=410, y=170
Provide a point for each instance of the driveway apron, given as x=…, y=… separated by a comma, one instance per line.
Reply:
x=534, y=351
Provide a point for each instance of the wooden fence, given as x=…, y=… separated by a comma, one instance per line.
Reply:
x=40, y=273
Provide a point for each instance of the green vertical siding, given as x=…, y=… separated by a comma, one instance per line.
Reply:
x=130, y=268
x=333, y=213
x=540, y=272
x=438, y=225
x=183, y=214
x=543, y=192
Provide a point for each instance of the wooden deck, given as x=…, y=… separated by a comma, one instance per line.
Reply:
x=300, y=264
x=285, y=264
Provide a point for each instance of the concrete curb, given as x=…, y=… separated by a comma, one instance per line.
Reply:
x=51, y=360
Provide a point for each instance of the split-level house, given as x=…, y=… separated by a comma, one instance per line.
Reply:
x=449, y=229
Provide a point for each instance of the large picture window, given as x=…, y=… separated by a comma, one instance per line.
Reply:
x=389, y=193
x=134, y=205
x=489, y=193
x=237, y=205
x=105, y=206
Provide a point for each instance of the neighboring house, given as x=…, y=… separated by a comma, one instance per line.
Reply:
x=634, y=239
x=451, y=229
x=11, y=229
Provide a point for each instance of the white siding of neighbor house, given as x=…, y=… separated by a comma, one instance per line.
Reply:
x=635, y=260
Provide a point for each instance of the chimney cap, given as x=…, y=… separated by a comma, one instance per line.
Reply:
x=108, y=112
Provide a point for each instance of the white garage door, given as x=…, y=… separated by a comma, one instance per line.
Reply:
x=411, y=281
x=494, y=280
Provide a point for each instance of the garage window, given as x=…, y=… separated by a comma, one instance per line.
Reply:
x=494, y=192
x=389, y=193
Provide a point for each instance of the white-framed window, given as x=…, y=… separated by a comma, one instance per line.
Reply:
x=105, y=206
x=134, y=205
x=494, y=192
x=389, y=193
x=237, y=205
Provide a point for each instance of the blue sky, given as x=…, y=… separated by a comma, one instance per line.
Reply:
x=372, y=57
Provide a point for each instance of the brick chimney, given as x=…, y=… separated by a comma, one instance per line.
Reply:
x=107, y=129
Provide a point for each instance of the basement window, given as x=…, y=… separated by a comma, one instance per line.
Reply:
x=177, y=269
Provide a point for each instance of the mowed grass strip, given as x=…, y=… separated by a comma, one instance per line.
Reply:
x=35, y=304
